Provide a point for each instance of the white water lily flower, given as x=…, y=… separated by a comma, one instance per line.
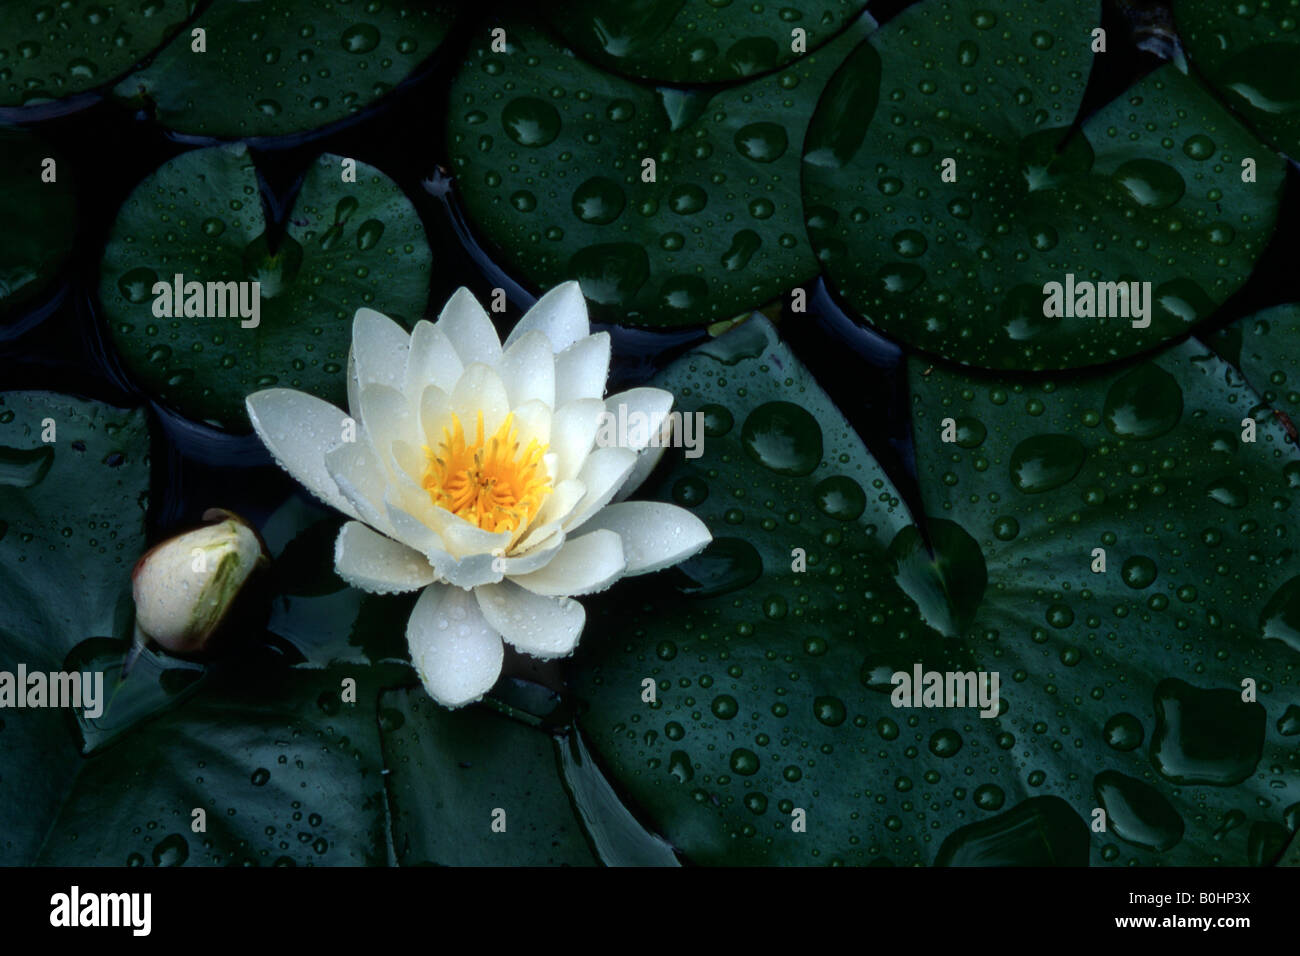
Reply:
x=473, y=472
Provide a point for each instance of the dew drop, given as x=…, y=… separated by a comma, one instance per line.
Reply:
x=783, y=437
x=530, y=122
x=1044, y=462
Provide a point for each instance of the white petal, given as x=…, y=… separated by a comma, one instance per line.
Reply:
x=442, y=530
x=469, y=329
x=414, y=533
x=528, y=370
x=559, y=504
x=432, y=361
x=522, y=562
x=408, y=460
x=651, y=406
x=298, y=429
x=379, y=349
x=584, y=565
x=644, y=410
x=541, y=626
x=467, y=572
x=603, y=473
x=581, y=369
x=463, y=539
x=646, y=460
x=380, y=565
x=455, y=651
x=655, y=534
x=561, y=314
x=480, y=389
x=435, y=414
x=533, y=419
x=473, y=570
x=573, y=432
x=387, y=417
x=361, y=478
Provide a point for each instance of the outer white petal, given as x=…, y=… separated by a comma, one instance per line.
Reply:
x=655, y=534
x=653, y=405
x=379, y=349
x=362, y=479
x=561, y=314
x=455, y=651
x=387, y=417
x=573, y=432
x=603, y=473
x=414, y=533
x=647, y=405
x=528, y=370
x=582, y=368
x=354, y=387
x=541, y=626
x=299, y=429
x=469, y=329
x=646, y=460
x=432, y=361
x=584, y=565
x=368, y=560
x=480, y=389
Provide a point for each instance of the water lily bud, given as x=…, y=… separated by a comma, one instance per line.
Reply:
x=185, y=586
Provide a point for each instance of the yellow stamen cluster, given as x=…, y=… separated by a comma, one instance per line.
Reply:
x=489, y=482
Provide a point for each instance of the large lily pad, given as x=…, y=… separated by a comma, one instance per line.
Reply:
x=1118, y=690
x=1149, y=189
x=549, y=152
x=49, y=51
x=40, y=222
x=1131, y=681
x=450, y=772
x=1248, y=50
x=1265, y=347
x=344, y=245
x=71, y=527
x=279, y=67
x=764, y=658
x=697, y=41
x=286, y=772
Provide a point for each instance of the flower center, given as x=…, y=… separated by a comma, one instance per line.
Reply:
x=488, y=482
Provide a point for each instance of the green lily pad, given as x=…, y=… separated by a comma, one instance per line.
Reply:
x=768, y=660
x=50, y=51
x=1248, y=51
x=41, y=221
x=1149, y=190
x=344, y=246
x=139, y=683
x=285, y=772
x=697, y=41
x=1118, y=690
x=278, y=67
x=1123, y=680
x=549, y=150
x=1265, y=346
x=451, y=771
x=71, y=528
